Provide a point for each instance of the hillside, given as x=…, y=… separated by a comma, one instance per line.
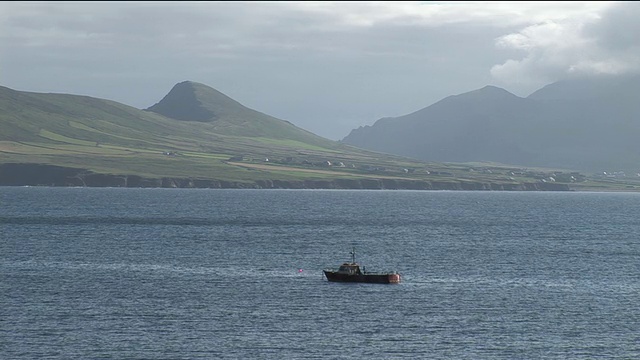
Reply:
x=109, y=137
x=588, y=125
x=198, y=137
x=195, y=102
x=462, y=128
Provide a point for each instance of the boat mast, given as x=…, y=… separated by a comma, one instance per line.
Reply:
x=353, y=256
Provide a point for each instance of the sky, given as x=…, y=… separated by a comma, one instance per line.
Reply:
x=326, y=67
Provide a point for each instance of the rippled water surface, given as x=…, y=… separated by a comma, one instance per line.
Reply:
x=229, y=274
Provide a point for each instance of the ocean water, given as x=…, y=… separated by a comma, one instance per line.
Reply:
x=88, y=273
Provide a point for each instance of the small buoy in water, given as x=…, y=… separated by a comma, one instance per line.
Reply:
x=299, y=270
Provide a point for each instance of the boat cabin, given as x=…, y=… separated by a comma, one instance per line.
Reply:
x=351, y=269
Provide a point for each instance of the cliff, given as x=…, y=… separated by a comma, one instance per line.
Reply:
x=50, y=175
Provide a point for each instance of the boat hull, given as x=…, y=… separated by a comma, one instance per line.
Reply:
x=362, y=278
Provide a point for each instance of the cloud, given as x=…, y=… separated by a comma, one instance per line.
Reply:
x=602, y=42
x=326, y=66
x=237, y=26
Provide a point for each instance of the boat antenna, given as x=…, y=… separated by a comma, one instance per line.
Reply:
x=353, y=256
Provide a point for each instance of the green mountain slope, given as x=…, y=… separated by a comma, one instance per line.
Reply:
x=195, y=102
x=198, y=137
x=107, y=137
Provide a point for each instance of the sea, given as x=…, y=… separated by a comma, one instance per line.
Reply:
x=122, y=273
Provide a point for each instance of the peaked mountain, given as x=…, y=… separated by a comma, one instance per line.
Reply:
x=210, y=140
x=194, y=102
x=589, y=124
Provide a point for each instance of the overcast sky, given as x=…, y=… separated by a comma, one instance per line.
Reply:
x=327, y=67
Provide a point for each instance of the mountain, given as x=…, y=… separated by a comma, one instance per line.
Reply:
x=590, y=88
x=198, y=137
x=74, y=130
x=588, y=124
x=195, y=102
x=461, y=128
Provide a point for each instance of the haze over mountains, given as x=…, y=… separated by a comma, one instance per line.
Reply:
x=589, y=124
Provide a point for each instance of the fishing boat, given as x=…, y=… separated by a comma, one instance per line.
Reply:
x=351, y=272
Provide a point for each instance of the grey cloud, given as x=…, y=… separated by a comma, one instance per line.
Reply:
x=564, y=48
x=619, y=27
x=326, y=67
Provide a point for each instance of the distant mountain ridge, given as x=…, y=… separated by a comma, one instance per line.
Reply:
x=582, y=124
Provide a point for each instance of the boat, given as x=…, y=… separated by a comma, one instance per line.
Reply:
x=351, y=272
